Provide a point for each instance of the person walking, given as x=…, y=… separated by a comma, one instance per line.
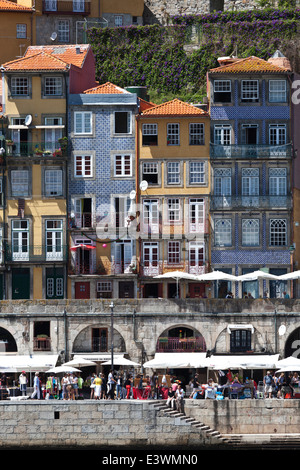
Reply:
x=36, y=387
x=97, y=390
x=268, y=384
x=111, y=385
x=23, y=383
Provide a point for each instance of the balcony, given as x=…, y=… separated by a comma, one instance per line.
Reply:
x=41, y=344
x=191, y=344
x=61, y=7
x=250, y=151
x=251, y=202
x=34, y=253
x=36, y=149
x=160, y=267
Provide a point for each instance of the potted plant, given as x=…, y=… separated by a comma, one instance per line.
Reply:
x=63, y=141
x=9, y=146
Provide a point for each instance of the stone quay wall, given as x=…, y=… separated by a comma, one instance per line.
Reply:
x=138, y=424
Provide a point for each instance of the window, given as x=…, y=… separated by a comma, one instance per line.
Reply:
x=278, y=232
x=150, y=172
x=223, y=232
x=78, y=5
x=63, y=34
x=83, y=166
x=122, y=122
x=173, y=252
x=277, y=91
x=150, y=216
x=53, y=183
x=250, y=232
x=53, y=86
x=222, y=187
x=222, y=134
x=19, y=183
x=50, y=5
x=173, y=173
x=83, y=123
x=196, y=254
x=20, y=240
x=250, y=91
x=222, y=91
x=123, y=165
x=104, y=289
x=196, y=215
x=196, y=134
x=149, y=134
x=277, y=134
x=21, y=31
x=53, y=135
x=250, y=186
x=118, y=20
x=19, y=86
x=54, y=237
x=173, y=210
x=197, y=172
x=277, y=181
x=240, y=341
x=172, y=134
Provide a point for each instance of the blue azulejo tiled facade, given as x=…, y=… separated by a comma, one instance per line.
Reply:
x=101, y=182
x=251, y=199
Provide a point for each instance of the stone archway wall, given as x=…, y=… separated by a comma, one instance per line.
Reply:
x=83, y=340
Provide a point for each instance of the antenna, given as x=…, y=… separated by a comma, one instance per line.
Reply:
x=53, y=36
x=28, y=120
x=144, y=185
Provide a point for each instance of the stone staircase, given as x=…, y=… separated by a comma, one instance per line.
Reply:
x=235, y=441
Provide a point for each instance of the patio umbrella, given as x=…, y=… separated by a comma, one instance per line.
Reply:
x=62, y=369
x=79, y=362
x=288, y=276
x=290, y=362
x=216, y=276
x=178, y=276
x=81, y=245
x=256, y=275
x=121, y=361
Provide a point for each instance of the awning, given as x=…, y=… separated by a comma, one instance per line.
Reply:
x=243, y=362
x=81, y=245
x=177, y=361
x=240, y=327
x=30, y=363
x=97, y=357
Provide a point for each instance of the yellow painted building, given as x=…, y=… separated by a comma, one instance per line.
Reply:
x=34, y=215
x=173, y=185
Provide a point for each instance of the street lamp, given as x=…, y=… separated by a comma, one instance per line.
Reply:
x=112, y=334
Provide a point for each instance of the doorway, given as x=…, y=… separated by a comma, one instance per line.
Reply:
x=20, y=283
x=82, y=290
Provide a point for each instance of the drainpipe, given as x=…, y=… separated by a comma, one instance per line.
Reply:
x=66, y=335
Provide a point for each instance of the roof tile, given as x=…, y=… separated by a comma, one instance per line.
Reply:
x=249, y=65
x=174, y=108
x=12, y=6
x=106, y=89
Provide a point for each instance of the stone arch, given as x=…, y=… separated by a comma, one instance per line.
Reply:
x=222, y=341
x=7, y=341
x=180, y=337
x=292, y=344
x=97, y=338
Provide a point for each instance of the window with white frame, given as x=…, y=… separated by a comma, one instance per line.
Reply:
x=223, y=232
x=173, y=252
x=151, y=215
x=150, y=172
x=20, y=86
x=250, y=181
x=149, y=133
x=278, y=232
x=54, y=239
x=277, y=134
x=19, y=183
x=118, y=20
x=173, y=206
x=53, y=183
x=222, y=181
x=21, y=31
x=52, y=135
x=122, y=165
x=20, y=240
x=196, y=254
x=122, y=122
x=277, y=181
x=222, y=134
x=83, y=166
x=250, y=91
x=82, y=122
x=250, y=232
x=53, y=86
x=196, y=133
x=104, y=289
x=172, y=134
x=78, y=6
x=63, y=31
x=197, y=172
x=222, y=91
x=277, y=91
x=173, y=173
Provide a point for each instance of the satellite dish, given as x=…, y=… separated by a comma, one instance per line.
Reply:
x=143, y=185
x=282, y=330
x=132, y=194
x=28, y=120
x=53, y=36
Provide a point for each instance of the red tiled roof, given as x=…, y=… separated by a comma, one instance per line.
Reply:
x=106, y=88
x=49, y=58
x=249, y=65
x=174, y=108
x=5, y=5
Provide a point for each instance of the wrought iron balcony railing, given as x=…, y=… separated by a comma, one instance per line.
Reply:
x=76, y=7
x=34, y=253
x=36, y=149
x=250, y=151
x=253, y=202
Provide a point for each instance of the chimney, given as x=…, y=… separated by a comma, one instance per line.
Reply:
x=280, y=60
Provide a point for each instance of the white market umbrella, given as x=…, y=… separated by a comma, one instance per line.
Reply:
x=288, y=276
x=178, y=276
x=216, y=276
x=63, y=368
x=121, y=361
x=256, y=275
x=290, y=361
x=79, y=362
x=289, y=369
